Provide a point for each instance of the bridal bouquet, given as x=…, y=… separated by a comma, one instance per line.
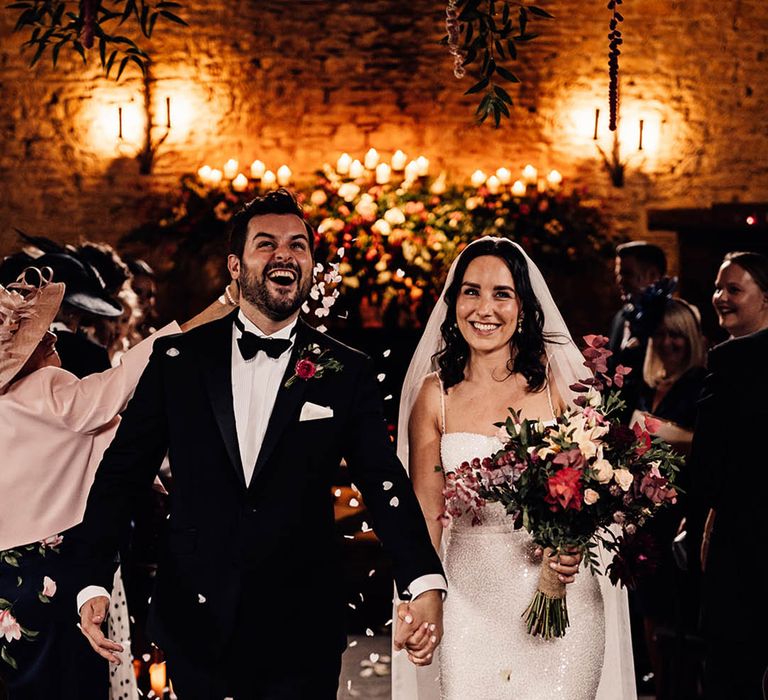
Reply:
x=569, y=481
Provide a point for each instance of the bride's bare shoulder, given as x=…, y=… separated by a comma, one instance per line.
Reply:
x=427, y=402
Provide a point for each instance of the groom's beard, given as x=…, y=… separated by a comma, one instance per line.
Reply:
x=277, y=304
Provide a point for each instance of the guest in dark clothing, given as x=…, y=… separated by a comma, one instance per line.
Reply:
x=729, y=471
x=638, y=265
x=673, y=374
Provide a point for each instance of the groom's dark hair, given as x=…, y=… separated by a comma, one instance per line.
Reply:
x=279, y=201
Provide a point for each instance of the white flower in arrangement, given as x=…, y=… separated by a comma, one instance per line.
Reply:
x=348, y=191
x=602, y=470
x=318, y=198
x=586, y=434
x=473, y=202
x=394, y=216
x=593, y=397
x=591, y=496
x=623, y=478
x=367, y=207
x=330, y=224
x=381, y=227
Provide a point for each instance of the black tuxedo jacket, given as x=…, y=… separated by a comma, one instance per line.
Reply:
x=278, y=533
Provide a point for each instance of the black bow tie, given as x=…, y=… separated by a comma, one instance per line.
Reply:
x=250, y=343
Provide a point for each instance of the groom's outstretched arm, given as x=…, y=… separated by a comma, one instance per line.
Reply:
x=127, y=469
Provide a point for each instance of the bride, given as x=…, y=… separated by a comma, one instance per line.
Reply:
x=496, y=339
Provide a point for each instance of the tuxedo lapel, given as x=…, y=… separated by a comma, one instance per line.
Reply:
x=287, y=402
x=217, y=368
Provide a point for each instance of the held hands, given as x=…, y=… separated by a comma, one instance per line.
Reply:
x=565, y=564
x=92, y=616
x=419, y=627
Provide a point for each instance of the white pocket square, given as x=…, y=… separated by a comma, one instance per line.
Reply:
x=311, y=411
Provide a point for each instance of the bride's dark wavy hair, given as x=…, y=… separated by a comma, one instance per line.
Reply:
x=526, y=346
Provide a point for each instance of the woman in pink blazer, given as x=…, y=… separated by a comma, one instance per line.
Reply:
x=54, y=429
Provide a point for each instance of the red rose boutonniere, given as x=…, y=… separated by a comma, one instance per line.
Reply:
x=313, y=362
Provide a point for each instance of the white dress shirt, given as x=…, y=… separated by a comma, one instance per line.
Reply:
x=255, y=384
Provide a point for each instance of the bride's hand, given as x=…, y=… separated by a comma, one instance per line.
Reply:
x=566, y=564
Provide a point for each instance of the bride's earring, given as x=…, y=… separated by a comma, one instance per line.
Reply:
x=520, y=323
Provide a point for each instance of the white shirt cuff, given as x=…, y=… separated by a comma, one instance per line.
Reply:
x=91, y=592
x=428, y=582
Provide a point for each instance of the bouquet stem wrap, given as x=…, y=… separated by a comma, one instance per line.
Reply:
x=547, y=615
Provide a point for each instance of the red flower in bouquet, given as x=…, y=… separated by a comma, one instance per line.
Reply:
x=565, y=489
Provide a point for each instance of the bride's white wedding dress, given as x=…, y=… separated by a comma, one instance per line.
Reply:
x=486, y=653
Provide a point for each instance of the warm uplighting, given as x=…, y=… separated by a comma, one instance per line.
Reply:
x=268, y=179
x=493, y=184
x=504, y=176
x=554, y=178
x=371, y=159
x=518, y=189
x=257, y=169
x=157, y=678
x=383, y=174
x=530, y=174
x=284, y=175
x=412, y=171
x=423, y=166
x=478, y=178
x=343, y=163
x=215, y=176
x=240, y=183
x=231, y=169
x=204, y=173
x=356, y=169
x=399, y=159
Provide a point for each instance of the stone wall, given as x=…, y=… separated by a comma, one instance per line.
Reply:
x=299, y=82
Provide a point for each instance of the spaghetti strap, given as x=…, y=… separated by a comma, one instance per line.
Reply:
x=549, y=393
x=442, y=404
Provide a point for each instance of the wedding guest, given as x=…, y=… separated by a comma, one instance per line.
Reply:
x=673, y=374
x=54, y=429
x=144, y=283
x=729, y=484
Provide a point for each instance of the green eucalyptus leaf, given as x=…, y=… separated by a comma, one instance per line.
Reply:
x=477, y=87
x=5, y=656
x=502, y=94
x=539, y=12
x=507, y=75
x=173, y=18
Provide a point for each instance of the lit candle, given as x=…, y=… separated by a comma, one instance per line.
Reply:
x=343, y=163
x=423, y=164
x=518, y=189
x=530, y=174
x=439, y=186
x=230, y=168
x=120, y=123
x=371, y=159
x=478, y=178
x=399, y=159
x=268, y=179
x=412, y=171
x=356, y=169
x=640, y=143
x=204, y=173
x=215, y=176
x=383, y=173
x=257, y=169
x=168, y=112
x=554, y=178
x=597, y=119
x=493, y=184
x=240, y=183
x=157, y=678
x=284, y=175
x=504, y=175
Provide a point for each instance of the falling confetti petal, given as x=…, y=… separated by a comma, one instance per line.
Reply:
x=341, y=252
x=337, y=493
x=388, y=623
x=388, y=397
x=387, y=485
x=349, y=685
x=352, y=644
x=362, y=600
x=387, y=353
x=200, y=598
x=349, y=537
x=146, y=658
x=381, y=377
x=368, y=632
x=395, y=502
x=133, y=620
x=373, y=657
x=366, y=673
x=353, y=503
x=371, y=572
x=354, y=488
x=365, y=527
x=352, y=605
x=322, y=329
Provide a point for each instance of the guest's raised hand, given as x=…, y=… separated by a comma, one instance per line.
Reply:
x=92, y=616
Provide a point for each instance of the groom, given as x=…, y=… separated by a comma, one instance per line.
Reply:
x=256, y=411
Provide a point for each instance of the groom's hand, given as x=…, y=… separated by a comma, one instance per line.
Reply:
x=420, y=627
x=92, y=616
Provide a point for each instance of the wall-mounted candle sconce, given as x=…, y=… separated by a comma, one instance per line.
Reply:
x=615, y=167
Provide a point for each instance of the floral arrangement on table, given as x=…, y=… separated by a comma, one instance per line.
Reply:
x=569, y=482
x=396, y=228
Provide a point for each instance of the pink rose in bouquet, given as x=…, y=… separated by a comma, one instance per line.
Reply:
x=567, y=483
